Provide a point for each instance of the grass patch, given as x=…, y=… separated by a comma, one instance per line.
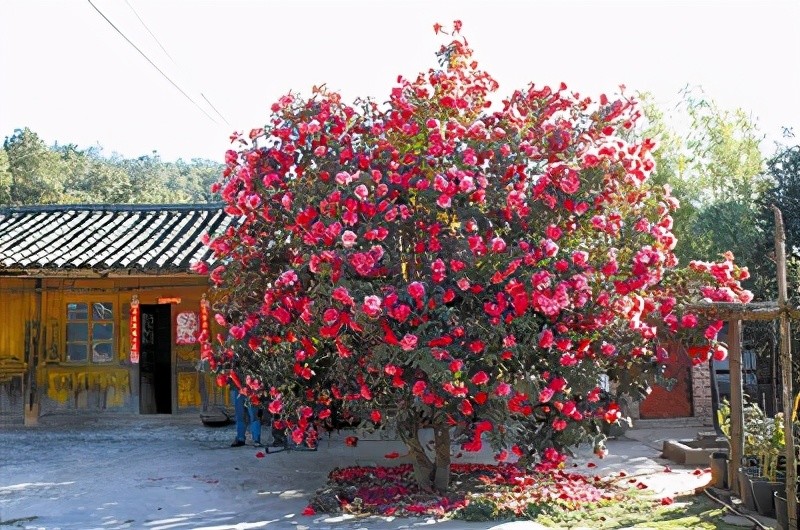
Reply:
x=697, y=512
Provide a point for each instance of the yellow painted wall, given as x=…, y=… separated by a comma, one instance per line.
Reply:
x=17, y=307
x=87, y=385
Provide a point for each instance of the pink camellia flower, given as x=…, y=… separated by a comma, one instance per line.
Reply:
x=550, y=248
x=287, y=278
x=438, y=269
x=253, y=201
x=286, y=201
x=344, y=178
x=498, y=245
x=688, y=320
x=237, y=332
x=349, y=238
x=409, y=342
x=361, y=192
x=372, y=306
x=466, y=185
x=580, y=258
x=463, y=284
x=503, y=389
x=419, y=388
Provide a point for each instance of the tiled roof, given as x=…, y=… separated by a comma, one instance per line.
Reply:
x=148, y=238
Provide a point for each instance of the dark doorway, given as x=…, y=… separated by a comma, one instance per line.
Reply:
x=155, y=363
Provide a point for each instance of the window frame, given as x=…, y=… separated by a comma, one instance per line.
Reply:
x=90, y=322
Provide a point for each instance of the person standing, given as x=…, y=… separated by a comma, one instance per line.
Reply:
x=240, y=405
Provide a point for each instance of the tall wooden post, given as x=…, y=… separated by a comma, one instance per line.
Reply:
x=737, y=402
x=786, y=369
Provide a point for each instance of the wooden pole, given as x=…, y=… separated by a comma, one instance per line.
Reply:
x=737, y=403
x=786, y=369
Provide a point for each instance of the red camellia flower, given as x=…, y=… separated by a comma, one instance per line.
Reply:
x=480, y=378
x=613, y=413
x=416, y=290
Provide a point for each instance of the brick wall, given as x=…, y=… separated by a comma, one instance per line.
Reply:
x=677, y=402
x=701, y=392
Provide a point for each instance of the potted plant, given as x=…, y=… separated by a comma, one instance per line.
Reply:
x=749, y=465
x=771, y=438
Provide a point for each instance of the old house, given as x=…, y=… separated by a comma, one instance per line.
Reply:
x=99, y=309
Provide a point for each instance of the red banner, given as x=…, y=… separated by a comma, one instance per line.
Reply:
x=133, y=326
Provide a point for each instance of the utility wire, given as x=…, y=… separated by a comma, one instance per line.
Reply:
x=150, y=32
x=152, y=63
x=163, y=49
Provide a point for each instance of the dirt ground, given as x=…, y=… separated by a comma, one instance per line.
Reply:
x=172, y=472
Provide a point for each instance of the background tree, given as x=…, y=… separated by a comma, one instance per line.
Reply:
x=36, y=176
x=5, y=179
x=714, y=167
x=783, y=170
x=433, y=264
x=33, y=173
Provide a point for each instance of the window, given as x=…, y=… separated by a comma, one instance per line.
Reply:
x=90, y=328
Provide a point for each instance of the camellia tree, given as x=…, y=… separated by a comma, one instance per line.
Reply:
x=430, y=263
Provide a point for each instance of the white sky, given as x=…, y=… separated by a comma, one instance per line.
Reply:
x=65, y=73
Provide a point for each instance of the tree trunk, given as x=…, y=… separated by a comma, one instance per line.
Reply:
x=441, y=435
x=423, y=467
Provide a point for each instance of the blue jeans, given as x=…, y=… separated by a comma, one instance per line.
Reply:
x=239, y=404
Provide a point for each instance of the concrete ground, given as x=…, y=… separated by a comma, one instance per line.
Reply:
x=171, y=472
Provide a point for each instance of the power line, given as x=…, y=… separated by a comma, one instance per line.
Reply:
x=163, y=49
x=151, y=33
x=152, y=63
